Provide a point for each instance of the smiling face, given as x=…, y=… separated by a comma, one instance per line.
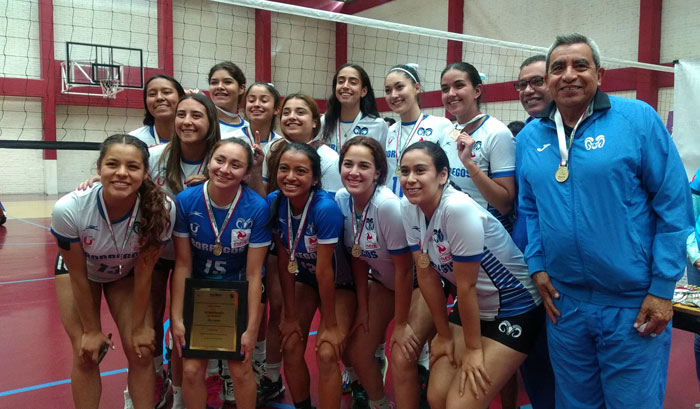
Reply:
x=260, y=104
x=348, y=88
x=400, y=92
x=297, y=120
x=295, y=175
x=161, y=99
x=225, y=91
x=420, y=181
x=358, y=172
x=228, y=166
x=121, y=171
x=534, y=98
x=191, y=121
x=459, y=95
x=573, y=77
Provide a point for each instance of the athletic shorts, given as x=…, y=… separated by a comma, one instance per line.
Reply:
x=373, y=278
x=518, y=332
x=164, y=264
x=341, y=270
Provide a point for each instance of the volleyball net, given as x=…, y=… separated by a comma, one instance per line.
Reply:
x=59, y=58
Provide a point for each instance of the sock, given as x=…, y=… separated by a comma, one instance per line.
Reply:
x=351, y=373
x=272, y=371
x=178, y=400
x=212, y=367
x=424, y=357
x=305, y=404
x=259, y=351
x=379, y=404
x=158, y=364
x=223, y=368
x=381, y=351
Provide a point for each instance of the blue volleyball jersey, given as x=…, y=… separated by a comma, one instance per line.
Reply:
x=246, y=228
x=324, y=225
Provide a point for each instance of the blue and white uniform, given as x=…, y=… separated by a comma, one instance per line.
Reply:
x=381, y=235
x=79, y=216
x=324, y=225
x=493, y=153
x=330, y=171
x=374, y=127
x=232, y=130
x=148, y=135
x=246, y=135
x=463, y=231
x=402, y=135
x=246, y=228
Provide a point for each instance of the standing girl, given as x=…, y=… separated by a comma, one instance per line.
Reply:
x=160, y=97
x=481, y=148
x=308, y=224
x=402, y=87
x=229, y=244
x=226, y=89
x=499, y=311
x=352, y=109
x=109, y=238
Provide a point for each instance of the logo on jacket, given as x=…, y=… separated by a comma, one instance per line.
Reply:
x=590, y=143
x=511, y=330
x=545, y=146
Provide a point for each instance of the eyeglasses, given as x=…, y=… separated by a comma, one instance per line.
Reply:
x=521, y=85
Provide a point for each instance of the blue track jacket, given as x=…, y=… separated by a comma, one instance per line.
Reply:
x=615, y=231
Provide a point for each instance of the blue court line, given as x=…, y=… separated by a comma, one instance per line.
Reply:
x=27, y=281
x=279, y=405
x=28, y=244
x=56, y=383
x=28, y=222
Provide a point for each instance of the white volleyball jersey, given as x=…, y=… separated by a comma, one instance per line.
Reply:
x=373, y=127
x=148, y=135
x=402, y=135
x=381, y=235
x=246, y=228
x=246, y=135
x=226, y=128
x=493, y=152
x=462, y=231
x=79, y=217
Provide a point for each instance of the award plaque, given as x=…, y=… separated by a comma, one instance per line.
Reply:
x=215, y=314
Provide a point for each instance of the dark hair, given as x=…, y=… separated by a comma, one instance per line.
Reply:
x=173, y=150
x=378, y=155
x=148, y=118
x=315, y=161
x=275, y=95
x=390, y=120
x=233, y=70
x=154, y=217
x=409, y=72
x=368, y=105
x=313, y=107
x=472, y=74
x=574, y=38
x=235, y=141
x=515, y=127
x=533, y=59
x=436, y=153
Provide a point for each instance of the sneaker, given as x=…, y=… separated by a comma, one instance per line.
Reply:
x=382, y=364
x=269, y=390
x=128, y=404
x=346, y=381
x=214, y=387
x=259, y=369
x=423, y=377
x=162, y=391
x=227, y=394
x=360, y=400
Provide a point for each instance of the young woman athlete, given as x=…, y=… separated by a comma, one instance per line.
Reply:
x=160, y=97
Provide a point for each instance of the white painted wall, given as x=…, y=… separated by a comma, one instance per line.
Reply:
x=680, y=29
x=429, y=14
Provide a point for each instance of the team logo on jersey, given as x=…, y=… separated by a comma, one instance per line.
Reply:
x=477, y=146
x=242, y=223
x=444, y=255
x=360, y=130
x=92, y=227
x=311, y=243
x=194, y=228
x=240, y=237
x=88, y=240
x=369, y=224
x=196, y=213
x=310, y=230
x=438, y=235
x=511, y=330
x=390, y=141
x=371, y=241
x=596, y=143
x=424, y=131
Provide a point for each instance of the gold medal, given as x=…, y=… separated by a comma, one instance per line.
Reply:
x=218, y=249
x=423, y=260
x=356, y=250
x=398, y=171
x=562, y=174
x=454, y=134
x=292, y=267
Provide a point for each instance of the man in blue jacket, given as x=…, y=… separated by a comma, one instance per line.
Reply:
x=607, y=208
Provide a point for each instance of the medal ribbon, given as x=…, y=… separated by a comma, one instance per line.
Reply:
x=249, y=133
x=564, y=148
x=210, y=211
x=410, y=136
x=354, y=124
x=471, y=121
x=184, y=174
x=433, y=221
x=356, y=238
x=302, y=223
x=129, y=225
x=229, y=114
